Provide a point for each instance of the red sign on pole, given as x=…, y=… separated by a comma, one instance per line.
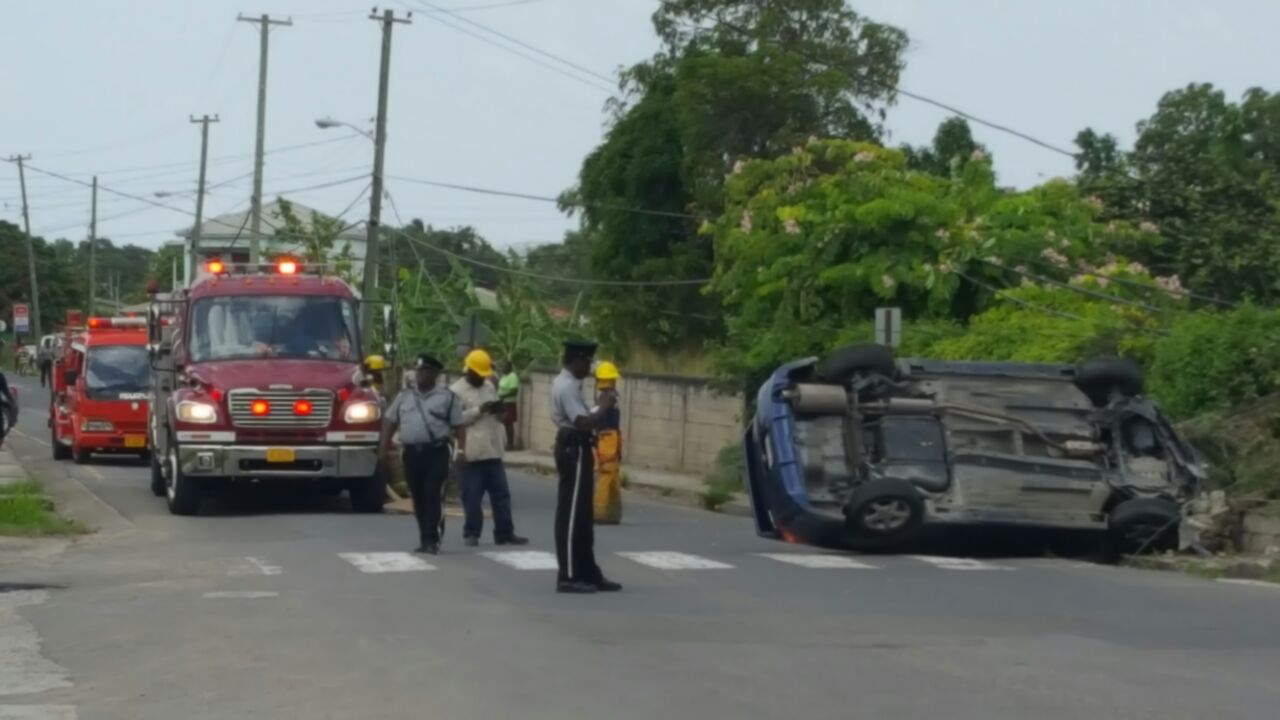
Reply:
x=21, y=318
x=74, y=318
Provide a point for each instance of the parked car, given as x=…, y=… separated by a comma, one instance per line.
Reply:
x=861, y=451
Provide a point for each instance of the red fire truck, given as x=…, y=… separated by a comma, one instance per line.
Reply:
x=101, y=390
x=258, y=378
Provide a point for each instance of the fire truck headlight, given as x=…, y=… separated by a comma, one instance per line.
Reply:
x=97, y=426
x=194, y=411
x=362, y=412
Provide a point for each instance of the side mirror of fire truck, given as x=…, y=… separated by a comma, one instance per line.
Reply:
x=389, y=340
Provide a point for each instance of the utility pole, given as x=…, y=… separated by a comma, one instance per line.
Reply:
x=93, y=242
x=388, y=20
x=255, y=217
x=193, y=250
x=31, y=249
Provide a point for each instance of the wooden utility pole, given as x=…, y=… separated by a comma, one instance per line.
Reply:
x=388, y=20
x=255, y=211
x=193, y=251
x=31, y=249
x=93, y=243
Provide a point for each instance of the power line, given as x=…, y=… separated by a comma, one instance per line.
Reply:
x=551, y=278
x=1144, y=286
x=1078, y=289
x=1004, y=294
x=545, y=198
x=517, y=41
x=517, y=53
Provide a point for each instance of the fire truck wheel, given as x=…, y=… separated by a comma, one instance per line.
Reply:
x=183, y=492
x=369, y=494
x=79, y=455
x=60, y=451
x=158, y=486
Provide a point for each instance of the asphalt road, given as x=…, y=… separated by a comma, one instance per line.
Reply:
x=270, y=609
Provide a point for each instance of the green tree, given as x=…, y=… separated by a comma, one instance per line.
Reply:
x=953, y=144
x=812, y=242
x=61, y=286
x=733, y=80
x=315, y=240
x=1205, y=172
x=426, y=242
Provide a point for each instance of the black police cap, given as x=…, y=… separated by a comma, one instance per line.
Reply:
x=428, y=361
x=579, y=348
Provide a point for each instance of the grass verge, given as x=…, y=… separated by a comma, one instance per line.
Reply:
x=724, y=480
x=26, y=512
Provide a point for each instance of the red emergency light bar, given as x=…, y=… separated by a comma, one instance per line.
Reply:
x=100, y=323
x=282, y=266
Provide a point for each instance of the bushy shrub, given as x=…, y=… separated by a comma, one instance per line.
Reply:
x=1214, y=359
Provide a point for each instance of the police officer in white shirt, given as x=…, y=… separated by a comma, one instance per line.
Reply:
x=575, y=463
x=481, y=465
x=426, y=417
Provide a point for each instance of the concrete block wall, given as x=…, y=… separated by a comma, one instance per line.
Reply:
x=672, y=424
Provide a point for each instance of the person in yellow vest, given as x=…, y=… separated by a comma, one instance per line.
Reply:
x=608, y=492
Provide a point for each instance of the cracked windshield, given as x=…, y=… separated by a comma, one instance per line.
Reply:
x=634, y=359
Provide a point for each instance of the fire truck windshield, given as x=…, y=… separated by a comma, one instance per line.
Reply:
x=115, y=370
x=238, y=327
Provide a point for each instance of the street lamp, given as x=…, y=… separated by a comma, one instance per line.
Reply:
x=327, y=123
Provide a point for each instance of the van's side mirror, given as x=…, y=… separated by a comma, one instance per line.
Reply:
x=70, y=377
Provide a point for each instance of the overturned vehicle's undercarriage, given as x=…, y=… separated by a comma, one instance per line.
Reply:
x=860, y=451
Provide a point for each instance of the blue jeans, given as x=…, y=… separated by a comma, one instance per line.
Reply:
x=480, y=477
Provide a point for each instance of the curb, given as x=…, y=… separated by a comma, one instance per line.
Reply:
x=684, y=496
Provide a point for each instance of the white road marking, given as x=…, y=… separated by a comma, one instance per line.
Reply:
x=255, y=566
x=1250, y=583
x=240, y=595
x=32, y=438
x=524, y=559
x=675, y=561
x=386, y=562
x=821, y=562
x=38, y=712
x=950, y=563
x=23, y=670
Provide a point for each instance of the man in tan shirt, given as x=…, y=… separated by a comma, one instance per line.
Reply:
x=481, y=465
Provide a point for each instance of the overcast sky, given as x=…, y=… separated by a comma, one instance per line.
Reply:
x=107, y=87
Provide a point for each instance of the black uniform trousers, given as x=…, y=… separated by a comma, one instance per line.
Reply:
x=426, y=468
x=575, y=524
x=46, y=373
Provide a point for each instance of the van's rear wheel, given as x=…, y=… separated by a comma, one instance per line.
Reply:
x=60, y=451
x=883, y=513
x=183, y=493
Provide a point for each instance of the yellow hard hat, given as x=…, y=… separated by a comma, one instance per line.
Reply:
x=479, y=362
x=375, y=362
x=607, y=371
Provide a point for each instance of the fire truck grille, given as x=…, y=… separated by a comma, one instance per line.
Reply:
x=281, y=408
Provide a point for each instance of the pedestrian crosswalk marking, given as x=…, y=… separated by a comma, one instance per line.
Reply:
x=38, y=712
x=950, y=563
x=255, y=566
x=233, y=595
x=524, y=559
x=820, y=562
x=675, y=561
x=386, y=562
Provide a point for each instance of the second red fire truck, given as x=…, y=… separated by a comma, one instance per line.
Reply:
x=101, y=390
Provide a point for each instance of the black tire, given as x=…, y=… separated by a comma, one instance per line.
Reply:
x=846, y=363
x=1100, y=378
x=1144, y=525
x=60, y=451
x=79, y=456
x=183, y=493
x=884, y=512
x=370, y=494
x=158, y=486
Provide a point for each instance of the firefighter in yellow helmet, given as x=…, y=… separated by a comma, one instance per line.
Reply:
x=608, y=491
x=480, y=465
x=374, y=365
